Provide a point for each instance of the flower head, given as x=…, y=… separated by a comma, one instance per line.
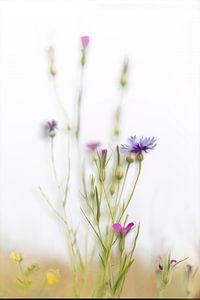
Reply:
x=93, y=146
x=122, y=230
x=103, y=153
x=85, y=41
x=16, y=257
x=52, y=277
x=51, y=128
x=138, y=145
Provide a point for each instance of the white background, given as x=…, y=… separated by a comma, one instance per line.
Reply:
x=161, y=39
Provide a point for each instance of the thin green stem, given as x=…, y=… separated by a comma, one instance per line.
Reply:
x=107, y=201
x=132, y=192
x=53, y=165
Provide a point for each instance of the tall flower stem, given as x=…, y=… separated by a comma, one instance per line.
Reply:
x=132, y=192
x=78, y=126
x=53, y=165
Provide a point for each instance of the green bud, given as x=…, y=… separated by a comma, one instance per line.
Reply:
x=112, y=188
x=52, y=133
x=130, y=158
x=123, y=80
x=119, y=172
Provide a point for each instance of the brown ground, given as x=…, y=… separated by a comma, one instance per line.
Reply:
x=141, y=281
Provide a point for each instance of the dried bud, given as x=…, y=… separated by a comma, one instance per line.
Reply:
x=130, y=158
x=140, y=156
x=119, y=172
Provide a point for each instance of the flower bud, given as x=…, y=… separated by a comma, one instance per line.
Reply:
x=52, y=133
x=130, y=158
x=112, y=188
x=140, y=156
x=123, y=80
x=119, y=172
x=92, y=193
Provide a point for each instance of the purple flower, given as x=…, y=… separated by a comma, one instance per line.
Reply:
x=51, y=128
x=160, y=267
x=138, y=145
x=85, y=41
x=93, y=146
x=52, y=125
x=122, y=230
x=173, y=262
x=189, y=269
x=103, y=153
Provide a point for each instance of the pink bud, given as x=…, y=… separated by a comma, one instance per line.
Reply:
x=85, y=41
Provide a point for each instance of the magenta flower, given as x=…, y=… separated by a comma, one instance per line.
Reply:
x=85, y=41
x=52, y=125
x=122, y=230
x=103, y=153
x=138, y=145
x=93, y=146
x=50, y=128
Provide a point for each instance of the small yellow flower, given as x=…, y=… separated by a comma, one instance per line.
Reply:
x=16, y=257
x=53, y=276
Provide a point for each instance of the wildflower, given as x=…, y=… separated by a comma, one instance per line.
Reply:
x=139, y=145
x=171, y=265
x=51, y=128
x=93, y=146
x=52, y=277
x=16, y=257
x=122, y=230
x=103, y=153
x=85, y=41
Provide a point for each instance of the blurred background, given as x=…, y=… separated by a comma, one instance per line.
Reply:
x=161, y=40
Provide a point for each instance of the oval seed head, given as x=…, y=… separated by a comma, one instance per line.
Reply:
x=130, y=158
x=119, y=172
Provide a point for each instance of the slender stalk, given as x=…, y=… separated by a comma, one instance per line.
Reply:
x=132, y=192
x=57, y=95
x=53, y=165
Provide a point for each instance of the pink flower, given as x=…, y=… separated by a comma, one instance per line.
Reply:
x=85, y=41
x=93, y=146
x=122, y=230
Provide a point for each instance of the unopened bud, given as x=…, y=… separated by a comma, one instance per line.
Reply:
x=119, y=172
x=140, y=156
x=123, y=80
x=52, y=133
x=69, y=126
x=130, y=158
x=52, y=70
x=112, y=188
x=117, y=130
x=92, y=193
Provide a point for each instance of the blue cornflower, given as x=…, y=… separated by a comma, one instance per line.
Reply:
x=138, y=145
